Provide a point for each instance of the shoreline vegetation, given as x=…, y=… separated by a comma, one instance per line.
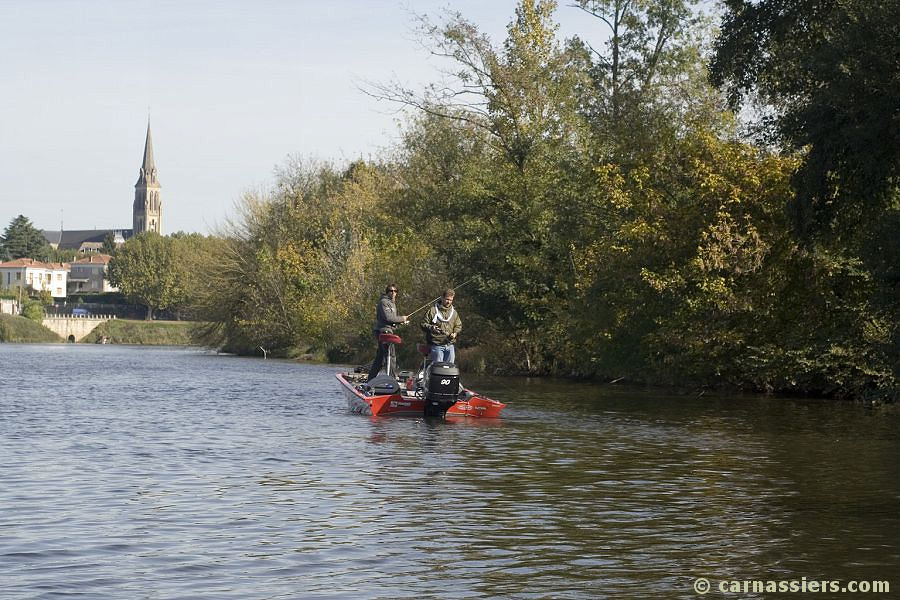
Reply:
x=615, y=211
x=148, y=333
x=16, y=329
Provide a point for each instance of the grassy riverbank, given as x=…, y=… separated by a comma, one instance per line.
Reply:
x=20, y=329
x=149, y=333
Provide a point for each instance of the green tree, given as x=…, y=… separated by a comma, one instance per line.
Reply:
x=32, y=309
x=302, y=266
x=109, y=243
x=21, y=239
x=828, y=79
x=648, y=80
x=63, y=256
x=45, y=297
x=196, y=257
x=673, y=264
x=825, y=79
x=144, y=270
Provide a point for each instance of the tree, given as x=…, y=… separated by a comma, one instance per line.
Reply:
x=827, y=77
x=306, y=260
x=109, y=243
x=196, y=258
x=648, y=81
x=33, y=309
x=144, y=270
x=520, y=95
x=22, y=240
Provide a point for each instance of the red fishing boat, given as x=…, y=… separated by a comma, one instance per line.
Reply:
x=433, y=391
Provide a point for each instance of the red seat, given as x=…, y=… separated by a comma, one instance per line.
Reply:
x=389, y=338
x=424, y=349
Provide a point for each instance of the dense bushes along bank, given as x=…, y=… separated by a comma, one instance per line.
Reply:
x=151, y=333
x=20, y=329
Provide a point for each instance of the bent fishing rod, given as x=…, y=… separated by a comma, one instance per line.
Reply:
x=433, y=300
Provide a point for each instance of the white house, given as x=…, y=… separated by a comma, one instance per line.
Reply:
x=88, y=274
x=27, y=272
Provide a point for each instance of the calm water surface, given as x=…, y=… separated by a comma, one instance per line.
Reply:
x=157, y=473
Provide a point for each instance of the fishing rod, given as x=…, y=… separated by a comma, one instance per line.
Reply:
x=433, y=300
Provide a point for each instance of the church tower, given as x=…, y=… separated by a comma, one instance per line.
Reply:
x=147, y=205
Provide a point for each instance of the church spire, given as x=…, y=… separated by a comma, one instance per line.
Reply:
x=148, y=168
x=147, y=208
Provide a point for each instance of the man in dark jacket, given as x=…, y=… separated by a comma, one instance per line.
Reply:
x=386, y=319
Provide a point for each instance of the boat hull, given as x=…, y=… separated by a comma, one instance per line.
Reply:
x=407, y=403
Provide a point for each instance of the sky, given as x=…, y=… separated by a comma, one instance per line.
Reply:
x=231, y=90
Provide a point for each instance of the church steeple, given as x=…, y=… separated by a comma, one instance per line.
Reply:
x=148, y=168
x=147, y=205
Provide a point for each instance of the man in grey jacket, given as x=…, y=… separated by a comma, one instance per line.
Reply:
x=386, y=319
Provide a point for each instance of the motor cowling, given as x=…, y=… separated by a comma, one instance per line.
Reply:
x=441, y=389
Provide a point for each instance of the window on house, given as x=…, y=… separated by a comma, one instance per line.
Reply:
x=18, y=277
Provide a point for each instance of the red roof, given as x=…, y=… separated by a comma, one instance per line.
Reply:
x=34, y=264
x=97, y=259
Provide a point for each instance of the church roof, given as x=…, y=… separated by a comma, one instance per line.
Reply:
x=72, y=240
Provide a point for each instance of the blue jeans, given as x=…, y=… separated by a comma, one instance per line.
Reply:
x=445, y=353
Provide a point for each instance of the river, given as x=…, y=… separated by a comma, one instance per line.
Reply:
x=162, y=473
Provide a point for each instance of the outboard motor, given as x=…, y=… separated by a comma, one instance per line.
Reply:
x=441, y=388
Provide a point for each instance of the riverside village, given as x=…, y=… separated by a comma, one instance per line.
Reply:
x=64, y=284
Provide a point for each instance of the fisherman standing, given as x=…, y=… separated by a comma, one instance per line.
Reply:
x=442, y=325
x=386, y=319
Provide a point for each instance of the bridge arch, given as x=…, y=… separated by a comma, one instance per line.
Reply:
x=74, y=328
